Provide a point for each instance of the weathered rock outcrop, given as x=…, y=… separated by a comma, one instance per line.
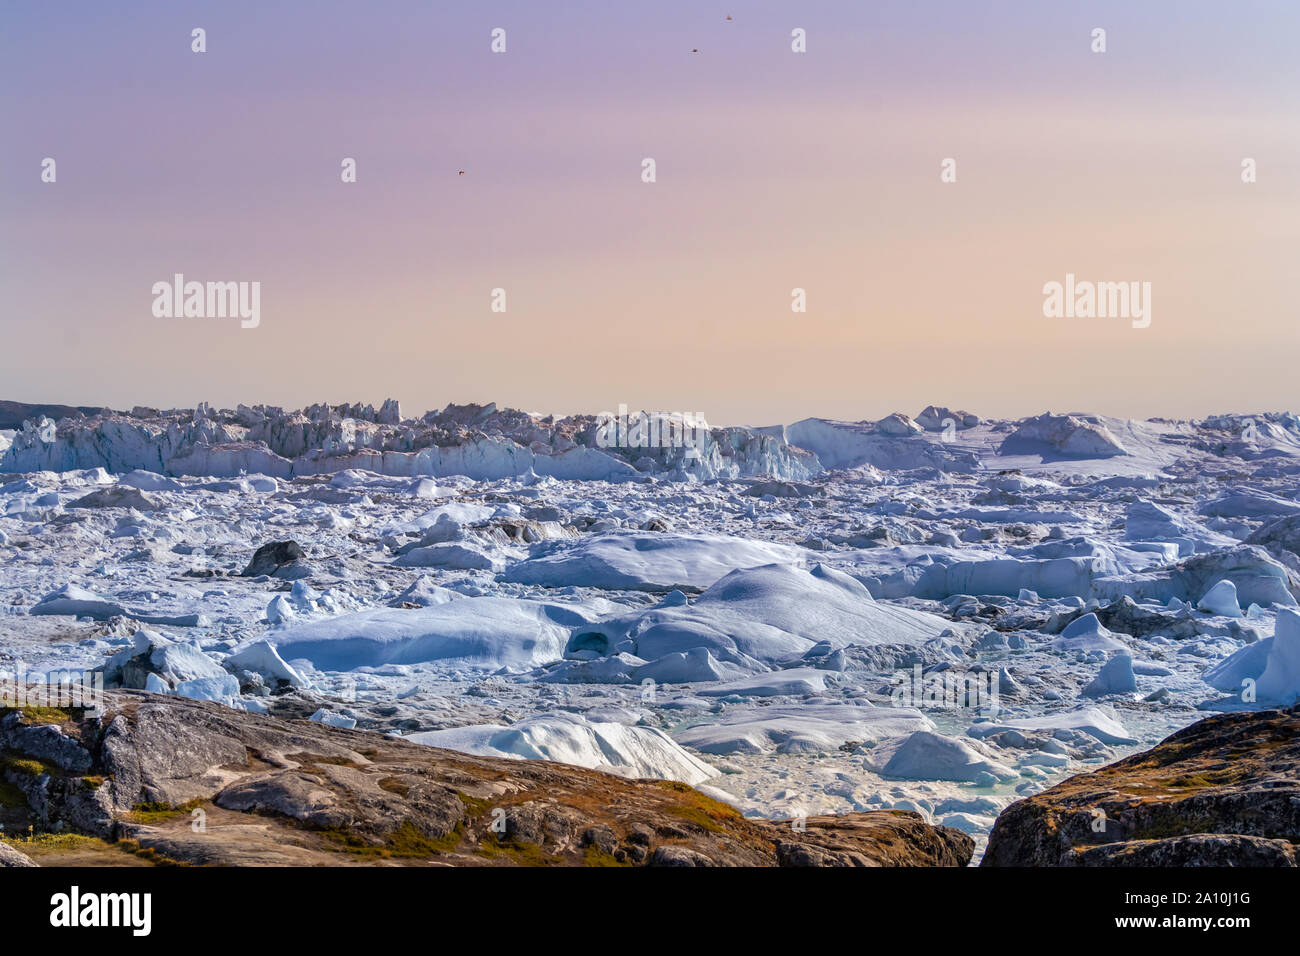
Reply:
x=195, y=782
x=879, y=838
x=11, y=857
x=1222, y=792
x=271, y=557
x=1128, y=617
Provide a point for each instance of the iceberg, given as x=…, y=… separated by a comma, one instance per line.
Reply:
x=1092, y=721
x=644, y=561
x=641, y=752
x=800, y=728
x=477, y=632
x=926, y=755
x=758, y=617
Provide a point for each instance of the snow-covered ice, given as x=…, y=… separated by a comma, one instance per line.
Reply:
x=815, y=617
x=645, y=561
x=487, y=632
x=572, y=738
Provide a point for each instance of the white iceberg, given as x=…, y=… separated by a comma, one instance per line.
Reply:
x=1280, y=682
x=641, y=752
x=645, y=561
x=758, y=618
x=1085, y=634
x=800, y=728
x=261, y=657
x=1221, y=599
x=1093, y=721
x=480, y=632
x=926, y=755
x=1116, y=677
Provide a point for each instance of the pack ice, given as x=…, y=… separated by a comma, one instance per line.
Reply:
x=938, y=613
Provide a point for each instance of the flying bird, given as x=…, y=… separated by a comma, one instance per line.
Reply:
x=461, y=173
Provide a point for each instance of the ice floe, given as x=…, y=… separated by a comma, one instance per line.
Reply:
x=482, y=632
x=757, y=618
x=644, y=562
x=573, y=739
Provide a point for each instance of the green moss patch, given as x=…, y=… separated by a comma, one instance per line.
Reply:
x=519, y=854
x=41, y=715
x=26, y=765
x=696, y=808
x=160, y=812
x=595, y=856
x=406, y=842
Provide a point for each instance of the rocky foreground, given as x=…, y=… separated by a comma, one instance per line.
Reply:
x=170, y=780
x=1222, y=792
x=180, y=781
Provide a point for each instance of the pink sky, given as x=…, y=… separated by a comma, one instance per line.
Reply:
x=775, y=170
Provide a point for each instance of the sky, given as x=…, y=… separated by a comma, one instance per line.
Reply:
x=775, y=170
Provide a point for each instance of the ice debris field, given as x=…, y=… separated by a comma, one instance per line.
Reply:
x=938, y=613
